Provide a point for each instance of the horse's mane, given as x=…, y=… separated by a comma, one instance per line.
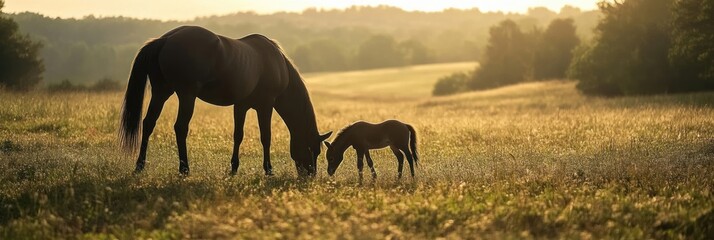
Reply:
x=296, y=82
x=280, y=48
x=343, y=130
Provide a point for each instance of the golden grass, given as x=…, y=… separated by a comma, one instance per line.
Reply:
x=535, y=160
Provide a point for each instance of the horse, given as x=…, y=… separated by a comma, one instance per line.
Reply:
x=363, y=136
x=252, y=72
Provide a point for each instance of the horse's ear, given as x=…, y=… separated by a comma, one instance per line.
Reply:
x=328, y=144
x=324, y=137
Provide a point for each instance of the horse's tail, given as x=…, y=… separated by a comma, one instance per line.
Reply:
x=133, y=105
x=413, y=144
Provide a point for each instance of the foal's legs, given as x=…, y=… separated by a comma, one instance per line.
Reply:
x=400, y=160
x=360, y=163
x=238, y=121
x=264, y=116
x=370, y=164
x=410, y=159
x=185, y=112
x=158, y=98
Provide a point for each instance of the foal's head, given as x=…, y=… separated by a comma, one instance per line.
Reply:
x=334, y=158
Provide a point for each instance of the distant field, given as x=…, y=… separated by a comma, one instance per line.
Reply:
x=404, y=83
x=536, y=160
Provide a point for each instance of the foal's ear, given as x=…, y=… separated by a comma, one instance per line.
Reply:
x=328, y=144
x=324, y=137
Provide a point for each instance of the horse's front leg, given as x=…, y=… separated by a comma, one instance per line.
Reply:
x=264, y=118
x=239, y=121
x=360, y=163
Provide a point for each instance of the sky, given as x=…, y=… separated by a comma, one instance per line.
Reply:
x=189, y=9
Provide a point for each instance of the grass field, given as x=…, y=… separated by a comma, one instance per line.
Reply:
x=535, y=160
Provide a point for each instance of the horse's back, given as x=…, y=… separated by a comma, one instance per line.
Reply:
x=189, y=53
x=217, y=69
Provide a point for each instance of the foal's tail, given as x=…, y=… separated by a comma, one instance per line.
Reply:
x=145, y=61
x=413, y=143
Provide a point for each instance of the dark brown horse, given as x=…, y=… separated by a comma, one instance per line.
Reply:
x=363, y=136
x=251, y=72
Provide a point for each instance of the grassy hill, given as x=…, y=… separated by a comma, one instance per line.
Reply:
x=410, y=82
x=535, y=160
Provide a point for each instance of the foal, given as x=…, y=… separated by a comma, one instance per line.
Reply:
x=363, y=136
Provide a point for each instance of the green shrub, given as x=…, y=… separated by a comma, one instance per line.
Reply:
x=451, y=84
x=65, y=86
x=106, y=85
x=103, y=85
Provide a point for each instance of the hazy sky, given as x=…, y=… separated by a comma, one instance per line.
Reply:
x=188, y=9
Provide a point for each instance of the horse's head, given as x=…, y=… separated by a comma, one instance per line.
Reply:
x=306, y=156
x=334, y=158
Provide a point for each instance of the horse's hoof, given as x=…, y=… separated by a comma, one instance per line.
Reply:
x=183, y=171
x=138, y=169
x=269, y=174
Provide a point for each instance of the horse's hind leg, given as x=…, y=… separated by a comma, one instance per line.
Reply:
x=370, y=164
x=400, y=160
x=186, y=104
x=264, y=117
x=158, y=98
x=410, y=159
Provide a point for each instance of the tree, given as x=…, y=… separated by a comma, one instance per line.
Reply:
x=513, y=56
x=629, y=54
x=692, y=53
x=568, y=11
x=508, y=58
x=541, y=14
x=415, y=52
x=555, y=50
x=320, y=55
x=20, y=68
x=379, y=51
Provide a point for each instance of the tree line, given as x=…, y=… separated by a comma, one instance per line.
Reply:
x=86, y=50
x=647, y=47
x=638, y=47
x=20, y=68
x=513, y=56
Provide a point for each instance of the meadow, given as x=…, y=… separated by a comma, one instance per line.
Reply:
x=534, y=160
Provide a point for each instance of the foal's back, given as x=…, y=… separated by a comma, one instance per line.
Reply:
x=379, y=135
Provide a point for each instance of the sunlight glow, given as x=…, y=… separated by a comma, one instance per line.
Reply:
x=189, y=9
